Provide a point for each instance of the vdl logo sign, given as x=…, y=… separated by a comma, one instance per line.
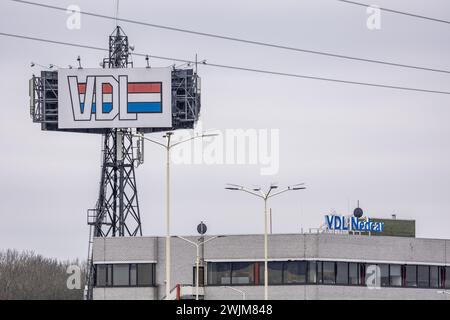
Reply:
x=114, y=98
x=341, y=223
x=355, y=223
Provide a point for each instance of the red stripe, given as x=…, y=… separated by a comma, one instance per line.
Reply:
x=144, y=87
x=107, y=88
x=132, y=88
x=82, y=88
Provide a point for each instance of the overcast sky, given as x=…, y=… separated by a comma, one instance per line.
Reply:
x=389, y=149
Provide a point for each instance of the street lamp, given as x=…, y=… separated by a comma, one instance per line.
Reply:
x=168, y=146
x=265, y=196
x=197, y=259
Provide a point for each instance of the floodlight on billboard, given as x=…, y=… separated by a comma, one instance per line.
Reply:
x=114, y=98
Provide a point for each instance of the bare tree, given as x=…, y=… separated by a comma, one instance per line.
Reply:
x=26, y=275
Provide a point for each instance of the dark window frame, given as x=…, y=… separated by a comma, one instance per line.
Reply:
x=336, y=273
x=361, y=274
x=109, y=267
x=252, y=263
x=309, y=262
x=359, y=279
x=390, y=276
x=416, y=279
x=284, y=270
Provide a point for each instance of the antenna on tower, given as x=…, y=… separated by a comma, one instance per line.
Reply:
x=196, y=63
x=117, y=12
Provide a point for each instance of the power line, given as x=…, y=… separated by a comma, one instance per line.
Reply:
x=398, y=12
x=327, y=79
x=71, y=44
x=261, y=71
x=258, y=43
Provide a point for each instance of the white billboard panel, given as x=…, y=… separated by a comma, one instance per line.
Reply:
x=114, y=98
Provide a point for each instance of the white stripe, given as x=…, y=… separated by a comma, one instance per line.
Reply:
x=106, y=98
x=144, y=97
x=132, y=97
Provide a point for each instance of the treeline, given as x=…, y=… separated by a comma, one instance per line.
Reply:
x=29, y=276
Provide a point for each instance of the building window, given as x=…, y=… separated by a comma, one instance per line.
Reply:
x=410, y=276
x=341, y=272
x=145, y=274
x=295, y=272
x=312, y=272
x=372, y=275
x=319, y=272
x=275, y=272
x=101, y=275
x=362, y=271
x=395, y=275
x=121, y=275
x=124, y=275
x=384, y=275
x=423, y=276
x=434, y=277
x=109, y=273
x=446, y=277
x=133, y=274
x=242, y=273
x=354, y=274
x=328, y=272
x=303, y=272
x=219, y=273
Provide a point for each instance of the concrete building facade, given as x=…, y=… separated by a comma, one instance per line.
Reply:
x=301, y=266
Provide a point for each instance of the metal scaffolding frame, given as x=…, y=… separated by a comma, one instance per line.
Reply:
x=117, y=211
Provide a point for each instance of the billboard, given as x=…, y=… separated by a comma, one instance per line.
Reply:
x=114, y=98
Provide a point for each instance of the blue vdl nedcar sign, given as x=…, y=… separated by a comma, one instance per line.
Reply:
x=342, y=223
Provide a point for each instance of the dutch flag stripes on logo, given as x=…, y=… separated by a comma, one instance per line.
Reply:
x=143, y=97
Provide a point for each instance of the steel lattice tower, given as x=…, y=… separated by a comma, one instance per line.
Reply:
x=117, y=210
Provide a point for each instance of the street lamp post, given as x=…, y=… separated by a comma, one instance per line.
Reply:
x=237, y=290
x=265, y=196
x=197, y=258
x=168, y=146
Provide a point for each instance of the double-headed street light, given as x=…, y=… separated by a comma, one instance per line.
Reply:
x=168, y=146
x=197, y=259
x=265, y=196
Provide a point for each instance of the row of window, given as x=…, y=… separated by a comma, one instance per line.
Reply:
x=125, y=275
x=328, y=272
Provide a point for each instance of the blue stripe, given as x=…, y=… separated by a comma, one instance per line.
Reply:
x=106, y=107
x=133, y=107
x=144, y=107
